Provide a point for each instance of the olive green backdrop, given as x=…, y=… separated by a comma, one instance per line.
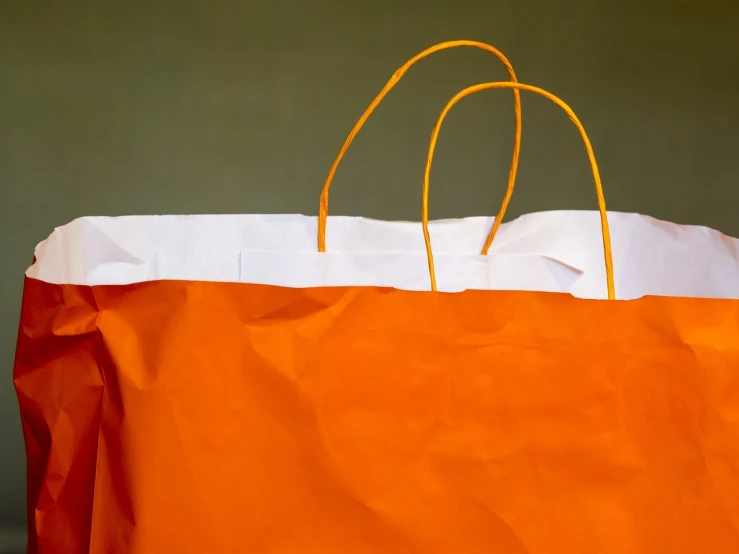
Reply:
x=239, y=106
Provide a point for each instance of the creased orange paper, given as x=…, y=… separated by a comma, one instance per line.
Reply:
x=192, y=417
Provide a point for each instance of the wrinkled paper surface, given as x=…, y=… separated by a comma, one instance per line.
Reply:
x=559, y=251
x=184, y=387
x=192, y=417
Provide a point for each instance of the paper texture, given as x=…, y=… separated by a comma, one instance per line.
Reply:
x=195, y=417
x=558, y=251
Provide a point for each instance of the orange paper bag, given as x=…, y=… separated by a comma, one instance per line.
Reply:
x=207, y=411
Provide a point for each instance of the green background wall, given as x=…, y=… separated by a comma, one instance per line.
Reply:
x=239, y=106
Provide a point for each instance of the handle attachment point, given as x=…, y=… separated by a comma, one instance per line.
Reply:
x=323, y=204
x=608, y=255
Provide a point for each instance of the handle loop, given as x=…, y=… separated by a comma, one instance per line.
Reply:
x=323, y=206
x=588, y=147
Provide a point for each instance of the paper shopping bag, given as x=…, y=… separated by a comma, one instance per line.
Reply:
x=187, y=408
